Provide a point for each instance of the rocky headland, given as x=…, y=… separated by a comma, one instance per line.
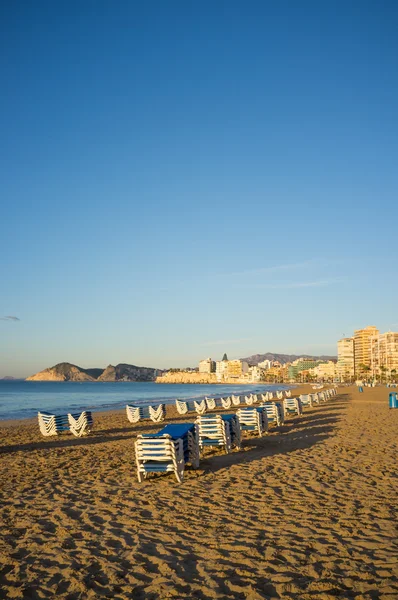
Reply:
x=121, y=372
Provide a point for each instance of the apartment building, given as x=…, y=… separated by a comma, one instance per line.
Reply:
x=345, y=358
x=301, y=364
x=325, y=370
x=265, y=364
x=237, y=368
x=384, y=353
x=362, y=345
x=207, y=366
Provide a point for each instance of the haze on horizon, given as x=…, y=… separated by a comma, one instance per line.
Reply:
x=182, y=180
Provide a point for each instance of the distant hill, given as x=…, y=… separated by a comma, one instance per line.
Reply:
x=68, y=372
x=282, y=358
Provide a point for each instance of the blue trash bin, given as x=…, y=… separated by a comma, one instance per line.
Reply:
x=360, y=389
x=393, y=400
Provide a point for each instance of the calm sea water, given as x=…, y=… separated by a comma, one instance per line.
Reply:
x=23, y=399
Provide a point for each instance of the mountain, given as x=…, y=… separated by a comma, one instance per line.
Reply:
x=123, y=372
x=282, y=358
x=68, y=372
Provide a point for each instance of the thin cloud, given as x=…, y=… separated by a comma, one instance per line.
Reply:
x=295, y=284
x=273, y=268
x=9, y=318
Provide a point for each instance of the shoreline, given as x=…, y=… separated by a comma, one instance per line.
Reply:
x=120, y=403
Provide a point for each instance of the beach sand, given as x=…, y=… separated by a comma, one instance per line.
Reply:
x=307, y=512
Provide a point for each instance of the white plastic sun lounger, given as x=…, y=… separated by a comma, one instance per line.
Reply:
x=226, y=402
x=159, y=455
x=292, y=406
x=218, y=430
x=200, y=406
x=306, y=399
x=288, y=393
x=236, y=400
x=274, y=412
x=168, y=450
x=279, y=395
x=253, y=419
x=81, y=424
x=50, y=424
x=139, y=413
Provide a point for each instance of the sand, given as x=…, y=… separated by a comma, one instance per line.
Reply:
x=307, y=512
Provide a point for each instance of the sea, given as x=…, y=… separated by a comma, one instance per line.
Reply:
x=23, y=399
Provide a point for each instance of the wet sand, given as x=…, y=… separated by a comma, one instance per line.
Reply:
x=307, y=512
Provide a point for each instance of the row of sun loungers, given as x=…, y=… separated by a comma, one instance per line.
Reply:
x=81, y=424
x=78, y=424
x=175, y=445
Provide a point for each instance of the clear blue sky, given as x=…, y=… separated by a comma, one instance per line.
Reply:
x=184, y=179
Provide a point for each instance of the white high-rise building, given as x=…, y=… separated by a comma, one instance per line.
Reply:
x=345, y=358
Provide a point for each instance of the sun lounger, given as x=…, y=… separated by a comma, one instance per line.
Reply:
x=288, y=393
x=139, y=413
x=292, y=406
x=159, y=454
x=200, y=406
x=218, y=430
x=306, y=399
x=50, y=424
x=81, y=424
x=279, y=395
x=226, y=402
x=236, y=400
x=253, y=419
x=249, y=400
x=274, y=412
x=211, y=403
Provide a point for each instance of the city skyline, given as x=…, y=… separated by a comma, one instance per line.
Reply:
x=179, y=179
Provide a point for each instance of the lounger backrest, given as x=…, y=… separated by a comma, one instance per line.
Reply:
x=200, y=406
x=226, y=402
x=182, y=407
x=210, y=403
x=157, y=413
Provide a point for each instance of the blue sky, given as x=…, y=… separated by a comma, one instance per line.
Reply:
x=184, y=179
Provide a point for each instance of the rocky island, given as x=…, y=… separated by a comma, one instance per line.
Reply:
x=122, y=372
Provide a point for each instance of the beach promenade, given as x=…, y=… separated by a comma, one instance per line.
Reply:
x=307, y=512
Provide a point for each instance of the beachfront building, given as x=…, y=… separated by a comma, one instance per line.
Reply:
x=345, y=359
x=362, y=353
x=231, y=369
x=221, y=369
x=324, y=371
x=265, y=364
x=207, y=366
x=299, y=365
x=257, y=374
x=384, y=354
x=237, y=368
